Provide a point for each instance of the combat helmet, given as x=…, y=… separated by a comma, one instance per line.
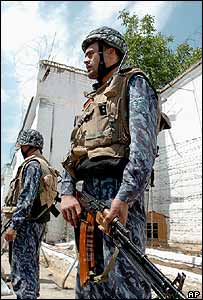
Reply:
x=108, y=35
x=30, y=137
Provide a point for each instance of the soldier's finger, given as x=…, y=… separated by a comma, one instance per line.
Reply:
x=64, y=215
x=78, y=210
x=68, y=215
x=7, y=237
x=105, y=229
x=109, y=217
x=71, y=222
x=74, y=217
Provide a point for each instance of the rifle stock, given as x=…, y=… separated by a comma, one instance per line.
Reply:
x=163, y=286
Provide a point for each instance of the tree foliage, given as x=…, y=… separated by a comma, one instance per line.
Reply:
x=150, y=50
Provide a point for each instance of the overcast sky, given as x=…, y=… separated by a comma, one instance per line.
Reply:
x=54, y=30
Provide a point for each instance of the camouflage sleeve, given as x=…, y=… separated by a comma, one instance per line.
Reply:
x=68, y=184
x=30, y=181
x=142, y=126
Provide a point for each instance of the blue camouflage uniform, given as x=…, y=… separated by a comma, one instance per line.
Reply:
x=26, y=246
x=124, y=282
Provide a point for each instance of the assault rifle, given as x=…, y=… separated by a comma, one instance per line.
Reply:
x=163, y=287
x=52, y=209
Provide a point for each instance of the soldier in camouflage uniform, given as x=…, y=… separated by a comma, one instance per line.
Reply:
x=26, y=229
x=114, y=158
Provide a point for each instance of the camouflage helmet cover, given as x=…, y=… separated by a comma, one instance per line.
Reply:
x=109, y=35
x=30, y=137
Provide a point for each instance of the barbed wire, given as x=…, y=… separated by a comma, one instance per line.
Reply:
x=179, y=175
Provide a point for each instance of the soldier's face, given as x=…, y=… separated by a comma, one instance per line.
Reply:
x=24, y=150
x=92, y=60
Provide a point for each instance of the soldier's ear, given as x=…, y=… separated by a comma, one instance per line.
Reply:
x=110, y=51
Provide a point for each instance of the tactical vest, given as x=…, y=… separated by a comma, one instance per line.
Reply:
x=47, y=189
x=102, y=129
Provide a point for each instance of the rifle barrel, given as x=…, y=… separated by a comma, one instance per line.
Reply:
x=150, y=273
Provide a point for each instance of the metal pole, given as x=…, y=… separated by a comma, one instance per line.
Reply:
x=68, y=272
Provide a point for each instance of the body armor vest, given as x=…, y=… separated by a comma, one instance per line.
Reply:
x=47, y=189
x=102, y=129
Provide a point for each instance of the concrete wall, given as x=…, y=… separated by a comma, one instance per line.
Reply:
x=178, y=169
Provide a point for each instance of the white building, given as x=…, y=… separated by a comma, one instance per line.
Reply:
x=178, y=169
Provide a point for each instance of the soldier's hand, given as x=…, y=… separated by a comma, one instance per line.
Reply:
x=70, y=209
x=10, y=234
x=118, y=209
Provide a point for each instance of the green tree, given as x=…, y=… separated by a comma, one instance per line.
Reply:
x=150, y=50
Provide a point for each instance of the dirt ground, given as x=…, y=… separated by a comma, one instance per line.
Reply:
x=52, y=277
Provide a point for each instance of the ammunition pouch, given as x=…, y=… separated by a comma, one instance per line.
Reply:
x=73, y=158
x=41, y=214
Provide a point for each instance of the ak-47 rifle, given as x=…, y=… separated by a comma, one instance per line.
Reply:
x=163, y=287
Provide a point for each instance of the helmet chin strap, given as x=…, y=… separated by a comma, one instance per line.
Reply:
x=102, y=69
x=24, y=153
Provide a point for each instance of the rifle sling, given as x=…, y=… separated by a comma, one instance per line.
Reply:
x=104, y=276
